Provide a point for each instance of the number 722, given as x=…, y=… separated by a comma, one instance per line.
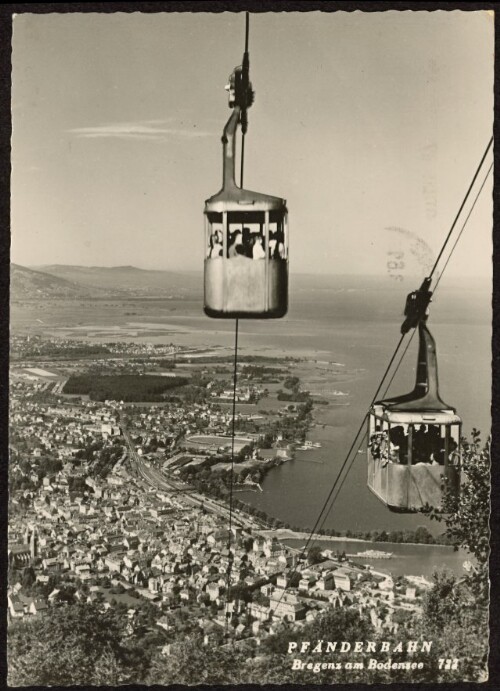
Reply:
x=448, y=663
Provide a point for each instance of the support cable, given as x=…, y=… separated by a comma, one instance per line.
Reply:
x=242, y=159
x=365, y=435
x=409, y=341
x=463, y=226
x=231, y=480
x=490, y=143
x=325, y=510
x=235, y=369
x=244, y=122
x=247, y=29
x=337, y=479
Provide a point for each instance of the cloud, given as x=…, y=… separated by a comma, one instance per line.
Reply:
x=146, y=129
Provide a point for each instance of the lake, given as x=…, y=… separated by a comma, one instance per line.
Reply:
x=351, y=321
x=413, y=560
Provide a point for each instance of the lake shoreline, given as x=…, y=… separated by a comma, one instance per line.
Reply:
x=287, y=534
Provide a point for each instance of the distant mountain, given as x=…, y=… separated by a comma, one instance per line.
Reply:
x=119, y=282
x=27, y=284
x=129, y=281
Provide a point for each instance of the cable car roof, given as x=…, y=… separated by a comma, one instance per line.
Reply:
x=237, y=199
x=419, y=417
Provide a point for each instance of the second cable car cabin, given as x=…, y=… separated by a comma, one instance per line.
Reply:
x=246, y=240
x=414, y=442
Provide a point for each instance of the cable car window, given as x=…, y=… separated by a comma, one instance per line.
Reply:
x=428, y=446
x=398, y=443
x=373, y=424
x=257, y=241
x=246, y=235
x=379, y=441
x=235, y=245
x=277, y=240
x=214, y=236
x=247, y=240
x=454, y=445
x=215, y=242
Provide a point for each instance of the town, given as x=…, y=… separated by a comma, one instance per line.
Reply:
x=126, y=503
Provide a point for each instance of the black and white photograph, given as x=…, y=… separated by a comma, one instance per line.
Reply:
x=250, y=363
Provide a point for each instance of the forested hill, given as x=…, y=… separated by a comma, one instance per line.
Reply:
x=130, y=280
x=27, y=284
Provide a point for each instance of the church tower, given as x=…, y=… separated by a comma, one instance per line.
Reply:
x=34, y=543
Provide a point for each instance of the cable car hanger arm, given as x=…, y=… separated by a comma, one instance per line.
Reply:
x=229, y=150
x=241, y=97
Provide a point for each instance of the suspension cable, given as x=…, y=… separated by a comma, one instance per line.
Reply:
x=409, y=341
x=244, y=128
x=231, y=481
x=337, y=479
x=325, y=511
x=463, y=226
x=235, y=378
x=247, y=29
x=461, y=206
x=365, y=435
x=242, y=159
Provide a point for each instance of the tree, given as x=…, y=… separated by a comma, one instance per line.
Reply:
x=467, y=520
x=72, y=645
x=29, y=578
x=334, y=625
x=291, y=383
x=423, y=535
x=190, y=662
x=314, y=555
x=458, y=628
x=107, y=670
x=456, y=610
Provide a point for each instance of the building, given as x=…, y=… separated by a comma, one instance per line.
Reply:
x=342, y=580
x=285, y=605
x=326, y=581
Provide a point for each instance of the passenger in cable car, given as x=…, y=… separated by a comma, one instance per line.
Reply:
x=247, y=243
x=453, y=452
x=258, y=251
x=215, y=249
x=435, y=445
x=276, y=246
x=236, y=246
x=393, y=455
x=428, y=445
x=378, y=444
x=399, y=444
x=272, y=244
x=420, y=453
x=454, y=455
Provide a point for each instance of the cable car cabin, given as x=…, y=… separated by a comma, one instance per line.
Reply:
x=414, y=442
x=246, y=241
x=246, y=264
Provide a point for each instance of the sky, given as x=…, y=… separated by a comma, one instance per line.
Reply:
x=370, y=125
